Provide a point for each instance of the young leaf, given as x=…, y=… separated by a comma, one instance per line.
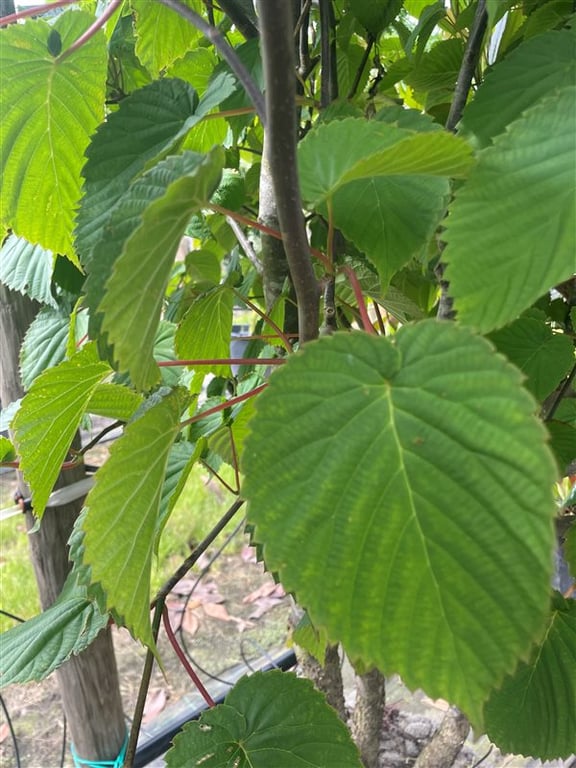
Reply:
x=34, y=649
x=387, y=501
x=268, y=719
x=527, y=177
x=181, y=459
x=49, y=416
x=143, y=270
x=114, y=402
x=511, y=87
x=387, y=187
x=206, y=329
x=541, y=690
x=161, y=34
x=545, y=357
x=122, y=514
x=27, y=268
x=49, y=111
x=375, y=17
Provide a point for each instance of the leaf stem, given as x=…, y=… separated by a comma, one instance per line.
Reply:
x=192, y=558
x=226, y=51
x=143, y=689
x=92, y=29
x=276, y=25
x=183, y=660
x=468, y=66
x=224, y=405
x=35, y=11
x=224, y=361
x=266, y=319
x=357, y=288
x=559, y=395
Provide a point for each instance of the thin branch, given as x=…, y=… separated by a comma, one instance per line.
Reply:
x=276, y=25
x=224, y=405
x=37, y=10
x=193, y=557
x=267, y=319
x=238, y=16
x=226, y=51
x=184, y=661
x=245, y=244
x=99, y=436
x=357, y=288
x=143, y=689
x=215, y=208
x=329, y=77
x=224, y=361
x=469, y=63
x=560, y=394
x=92, y=29
x=360, y=70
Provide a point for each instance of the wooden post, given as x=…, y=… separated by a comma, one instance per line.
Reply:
x=89, y=682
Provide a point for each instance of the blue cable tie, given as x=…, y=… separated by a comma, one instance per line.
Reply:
x=118, y=763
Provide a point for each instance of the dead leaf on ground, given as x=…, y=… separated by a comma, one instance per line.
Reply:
x=219, y=612
x=155, y=703
x=268, y=589
x=4, y=732
x=190, y=622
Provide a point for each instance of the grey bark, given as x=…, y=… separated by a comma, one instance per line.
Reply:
x=89, y=682
x=368, y=715
x=446, y=744
x=326, y=677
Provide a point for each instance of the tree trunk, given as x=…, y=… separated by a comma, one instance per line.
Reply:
x=89, y=682
x=368, y=715
x=446, y=744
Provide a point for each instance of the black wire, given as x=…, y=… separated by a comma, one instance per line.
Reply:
x=12, y=734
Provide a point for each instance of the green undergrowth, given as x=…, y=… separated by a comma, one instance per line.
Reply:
x=198, y=509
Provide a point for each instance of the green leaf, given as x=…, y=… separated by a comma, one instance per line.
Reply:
x=375, y=17
x=27, y=268
x=145, y=127
x=114, y=402
x=268, y=719
x=562, y=443
x=44, y=345
x=534, y=712
x=313, y=640
x=164, y=352
x=353, y=149
x=397, y=464
x=387, y=187
x=195, y=67
x=34, y=649
x=206, y=329
x=122, y=514
x=161, y=34
x=49, y=416
x=544, y=356
x=438, y=69
x=143, y=269
x=512, y=87
x=7, y=452
x=50, y=107
x=527, y=177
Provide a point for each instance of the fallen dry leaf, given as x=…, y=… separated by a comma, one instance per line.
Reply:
x=190, y=622
x=4, y=732
x=155, y=703
x=268, y=589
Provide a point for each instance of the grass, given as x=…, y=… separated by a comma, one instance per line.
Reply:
x=198, y=509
